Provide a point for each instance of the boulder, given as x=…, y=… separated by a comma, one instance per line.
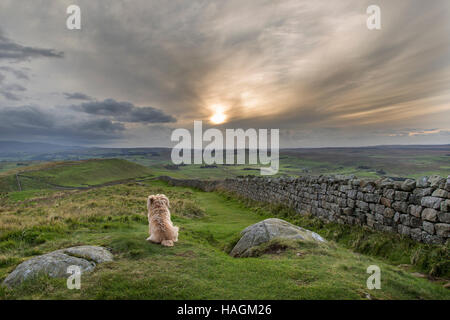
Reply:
x=55, y=264
x=91, y=253
x=269, y=229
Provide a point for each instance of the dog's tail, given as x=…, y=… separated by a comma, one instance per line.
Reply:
x=167, y=243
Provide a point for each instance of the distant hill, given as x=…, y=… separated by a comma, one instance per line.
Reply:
x=72, y=174
x=10, y=147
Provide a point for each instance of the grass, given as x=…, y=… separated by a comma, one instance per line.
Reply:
x=71, y=174
x=198, y=267
x=395, y=249
x=90, y=172
x=8, y=184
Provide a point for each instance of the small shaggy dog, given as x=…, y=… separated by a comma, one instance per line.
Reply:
x=160, y=227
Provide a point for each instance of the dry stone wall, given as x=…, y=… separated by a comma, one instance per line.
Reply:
x=415, y=208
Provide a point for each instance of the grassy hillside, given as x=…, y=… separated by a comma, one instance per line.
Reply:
x=378, y=161
x=71, y=174
x=198, y=267
x=89, y=172
x=8, y=183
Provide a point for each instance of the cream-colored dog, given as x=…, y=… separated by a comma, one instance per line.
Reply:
x=160, y=226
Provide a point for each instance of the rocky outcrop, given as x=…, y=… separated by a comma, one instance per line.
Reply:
x=55, y=264
x=267, y=230
x=418, y=209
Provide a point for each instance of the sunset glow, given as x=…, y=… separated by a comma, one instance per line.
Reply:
x=218, y=118
x=312, y=69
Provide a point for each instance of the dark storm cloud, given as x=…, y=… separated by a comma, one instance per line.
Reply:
x=104, y=128
x=77, y=96
x=25, y=117
x=10, y=50
x=124, y=111
x=30, y=121
x=15, y=52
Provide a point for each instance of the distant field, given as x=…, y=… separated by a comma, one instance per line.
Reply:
x=71, y=174
x=370, y=162
x=392, y=161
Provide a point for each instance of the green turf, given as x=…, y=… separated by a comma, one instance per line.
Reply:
x=393, y=248
x=198, y=267
x=90, y=172
x=72, y=174
x=8, y=183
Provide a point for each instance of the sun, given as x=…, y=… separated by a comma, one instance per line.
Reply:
x=219, y=116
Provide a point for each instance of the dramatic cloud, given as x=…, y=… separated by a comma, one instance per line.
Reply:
x=124, y=111
x=30, y=121
x=76, y=96
x=25, y=117
x=10, y=50
x=310, y=68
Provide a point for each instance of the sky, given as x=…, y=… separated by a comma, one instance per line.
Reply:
x=312, y=69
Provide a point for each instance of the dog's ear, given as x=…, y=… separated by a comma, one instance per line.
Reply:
x=150, y=200
x=166, y=200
